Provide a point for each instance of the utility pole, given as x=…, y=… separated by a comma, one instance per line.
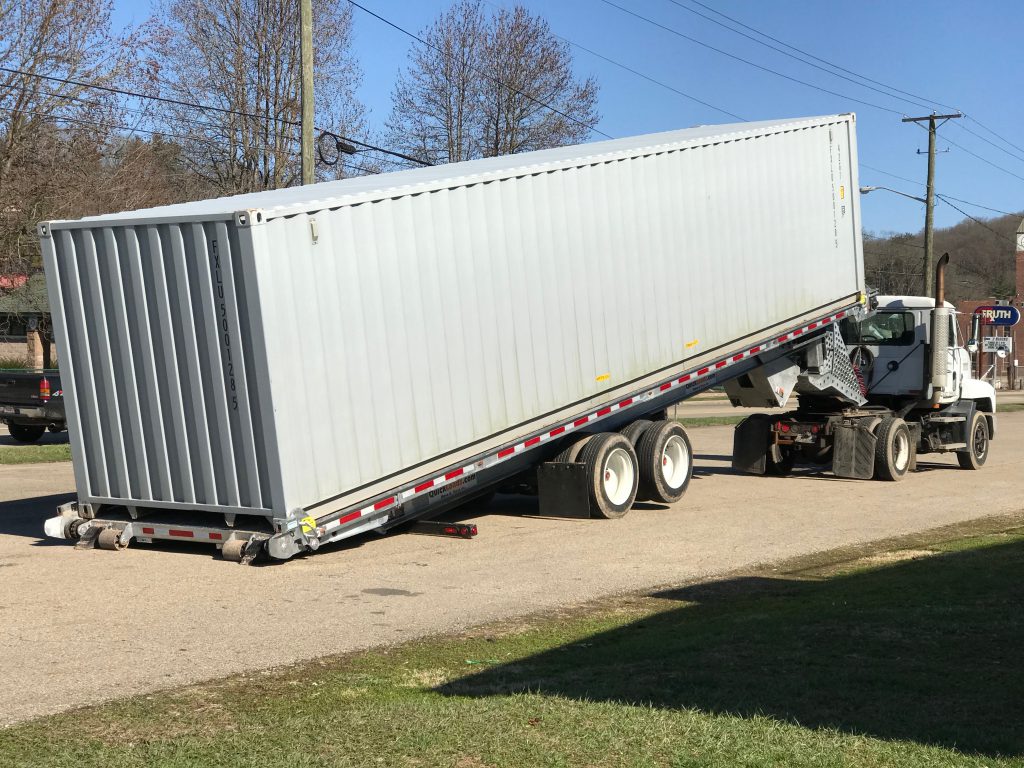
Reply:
x=306, y=46
x=929, y=215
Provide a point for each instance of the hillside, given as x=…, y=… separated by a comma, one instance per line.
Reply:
x=981, y=257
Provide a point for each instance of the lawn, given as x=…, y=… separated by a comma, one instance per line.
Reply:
x=33, y=454
x=902, y=658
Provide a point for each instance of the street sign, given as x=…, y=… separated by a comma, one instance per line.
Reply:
x=998, y=314
x=997, y=344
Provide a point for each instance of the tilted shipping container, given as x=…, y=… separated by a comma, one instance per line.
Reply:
x=300, y=352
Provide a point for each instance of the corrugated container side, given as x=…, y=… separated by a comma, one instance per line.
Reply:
x=426, y=323
x=156, y=334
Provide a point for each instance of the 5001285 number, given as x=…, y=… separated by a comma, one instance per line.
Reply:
x=223, y=327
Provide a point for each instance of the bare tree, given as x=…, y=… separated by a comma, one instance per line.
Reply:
x=243, y=56
x=43, y=45
x=528, y=68
x=437, y=112
x=489, y=84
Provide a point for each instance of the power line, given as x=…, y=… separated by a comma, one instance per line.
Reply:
x=986, y=128
x=985, y=160
x=978, y=205
x=818, y=58
x=795, y=57
x=887, y=173
x=677, y=33
x=653, y=80
x=118, y=126
x=143, y=112
x=494, y=80
x=977, y=221
x=639, y=74
x=204, y=107
x=991, y=143
x=135, y=94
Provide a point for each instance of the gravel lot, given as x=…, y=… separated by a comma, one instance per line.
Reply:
x=82, y=627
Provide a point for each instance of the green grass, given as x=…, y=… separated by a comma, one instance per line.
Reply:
x=915, y=662
x=15, y=364
x=711, y=421
x=1009, y=407
x=33, y=454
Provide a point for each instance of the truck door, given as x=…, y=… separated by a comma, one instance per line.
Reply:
x=890, y=349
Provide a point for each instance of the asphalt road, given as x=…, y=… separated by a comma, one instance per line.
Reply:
x=81, y=627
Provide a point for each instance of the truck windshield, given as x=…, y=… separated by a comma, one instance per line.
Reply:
x=881, y=329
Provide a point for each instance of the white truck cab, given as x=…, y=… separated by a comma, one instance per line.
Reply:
x=891, y=348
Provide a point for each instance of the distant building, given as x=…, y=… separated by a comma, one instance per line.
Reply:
x=1006, y=370
x=25, y=321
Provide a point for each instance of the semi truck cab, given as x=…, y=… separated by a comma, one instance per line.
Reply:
x=891, y=348
x=915, y=394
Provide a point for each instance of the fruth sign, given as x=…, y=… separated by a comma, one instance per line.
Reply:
x=998, y=314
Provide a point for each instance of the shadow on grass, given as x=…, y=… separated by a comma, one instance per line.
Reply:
x=927, y=650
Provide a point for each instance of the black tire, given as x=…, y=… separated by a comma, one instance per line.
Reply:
x=633, y=431
x=571, y=452
x=599, y=453
x=893, y=449
x=664, y=444
x=26, y=433
x=976, y=453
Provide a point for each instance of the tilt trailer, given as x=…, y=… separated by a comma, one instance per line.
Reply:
x=282, y=370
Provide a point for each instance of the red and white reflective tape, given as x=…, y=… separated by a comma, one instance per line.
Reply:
x=162, y=532
x=512, y=450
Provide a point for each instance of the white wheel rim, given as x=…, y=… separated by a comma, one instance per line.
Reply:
x=675, y=462
x=618, y=476
x=901, y=451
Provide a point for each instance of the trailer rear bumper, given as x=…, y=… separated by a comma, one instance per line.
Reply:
x=241, y=544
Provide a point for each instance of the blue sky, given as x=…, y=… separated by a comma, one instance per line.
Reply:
x=964, y=55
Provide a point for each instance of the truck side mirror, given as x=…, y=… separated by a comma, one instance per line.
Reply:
x=972, y=346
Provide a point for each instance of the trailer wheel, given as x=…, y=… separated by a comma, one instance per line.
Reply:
x=26, y=433
x=666, y=462
x=612, y=474
x=893, y=449
x=976, y=453
x=633, y=431
x=110, y=538
x=233, y=550
x=571, y=452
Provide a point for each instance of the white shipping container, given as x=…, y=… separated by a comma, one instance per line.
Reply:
x=301, y=351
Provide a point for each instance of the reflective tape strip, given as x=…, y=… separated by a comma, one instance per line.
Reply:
x=508, y=451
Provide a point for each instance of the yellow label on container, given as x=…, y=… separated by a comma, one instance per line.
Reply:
x=842, y=193
x=603, y=377
x=692, y=344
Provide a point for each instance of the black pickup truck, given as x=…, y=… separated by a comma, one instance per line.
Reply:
x=30, y=403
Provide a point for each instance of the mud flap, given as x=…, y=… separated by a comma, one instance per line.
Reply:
x=853, y=453
x=750, y=445
x=562, y=490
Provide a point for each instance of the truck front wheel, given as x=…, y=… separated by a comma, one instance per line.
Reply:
x=26, y=433
x=893, y=449
x=976, y=452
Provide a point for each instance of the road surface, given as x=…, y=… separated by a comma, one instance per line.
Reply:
x=82, y=627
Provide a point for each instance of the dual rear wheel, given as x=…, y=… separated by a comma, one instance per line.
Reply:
x=651, y=461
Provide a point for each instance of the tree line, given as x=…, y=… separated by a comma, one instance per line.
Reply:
x=981, y=259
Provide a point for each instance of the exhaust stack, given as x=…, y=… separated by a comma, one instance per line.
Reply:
x=940, y=332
